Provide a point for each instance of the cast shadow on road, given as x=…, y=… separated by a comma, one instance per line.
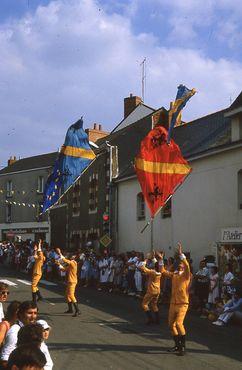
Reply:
x=84, y=347
x=221, y=341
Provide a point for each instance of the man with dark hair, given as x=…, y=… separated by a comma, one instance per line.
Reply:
x=27, y=314
x=30, y=334
x=26, y=357
x=4, y=292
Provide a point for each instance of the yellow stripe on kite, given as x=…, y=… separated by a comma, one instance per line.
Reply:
x=158, y=167
x=77, y=152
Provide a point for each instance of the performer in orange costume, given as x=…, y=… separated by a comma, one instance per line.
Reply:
x=179, y=300
x=71, y=281
x=152, y=294
x=37, y=271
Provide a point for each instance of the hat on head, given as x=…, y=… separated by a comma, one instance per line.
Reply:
x=43, y=323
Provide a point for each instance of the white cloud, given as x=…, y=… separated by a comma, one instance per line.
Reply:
x=72, y=58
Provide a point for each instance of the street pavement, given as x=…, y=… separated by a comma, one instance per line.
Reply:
x=110, y=333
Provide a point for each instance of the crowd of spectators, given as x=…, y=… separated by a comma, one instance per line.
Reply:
x=22, y=336
x=210, y=288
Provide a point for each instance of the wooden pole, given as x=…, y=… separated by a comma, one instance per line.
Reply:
x=152, y=234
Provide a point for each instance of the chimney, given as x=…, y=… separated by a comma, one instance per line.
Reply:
x=96, y=132
x=12, y=160
x=130, y=104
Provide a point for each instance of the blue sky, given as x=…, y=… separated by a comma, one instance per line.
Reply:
x=66, y=58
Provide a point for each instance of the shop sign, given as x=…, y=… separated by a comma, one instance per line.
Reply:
x=231, y=235
x=27, y=231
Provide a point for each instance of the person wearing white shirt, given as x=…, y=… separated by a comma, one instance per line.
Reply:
x=44, y=347
x=27, y=314
x=131, y=271
x=227, y=280
x=138, y=275
x=202, y=284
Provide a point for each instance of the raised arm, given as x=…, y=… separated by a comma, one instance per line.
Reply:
x=184, y=261
x=164, y=272
x=63, y=259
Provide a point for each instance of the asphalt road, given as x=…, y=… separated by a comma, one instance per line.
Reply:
x=110, y=333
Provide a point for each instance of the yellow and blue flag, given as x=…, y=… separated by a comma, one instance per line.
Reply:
x=75, y=155
x=182, y=97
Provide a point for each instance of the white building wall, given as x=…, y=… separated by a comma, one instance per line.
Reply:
x=201, y=207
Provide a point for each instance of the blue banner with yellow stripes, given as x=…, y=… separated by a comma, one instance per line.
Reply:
x=182, y=97
x=75, y=155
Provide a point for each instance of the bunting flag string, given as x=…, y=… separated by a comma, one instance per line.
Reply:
x=23, y=204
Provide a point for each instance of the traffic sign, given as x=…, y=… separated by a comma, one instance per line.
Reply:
x=105, y=240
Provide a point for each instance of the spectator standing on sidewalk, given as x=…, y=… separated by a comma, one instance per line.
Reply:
x=27, y=357
x=228, y=280
x=34, y=334
x=131, y=271
x=44, y=348
x=9, y=320
x=213, y=287
x=27, y=314
x=202, y=285
x=4, y=292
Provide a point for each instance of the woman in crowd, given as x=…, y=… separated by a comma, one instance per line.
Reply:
x=228, y=280
x=9, y=319
x=104, y=272
x=213, y=287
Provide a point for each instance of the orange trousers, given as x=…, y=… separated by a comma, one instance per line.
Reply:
x=35, y=280
x=177, y=313
x=150, y=299
x=70, y=292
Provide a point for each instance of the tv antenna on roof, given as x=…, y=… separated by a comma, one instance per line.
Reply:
x=143, y=79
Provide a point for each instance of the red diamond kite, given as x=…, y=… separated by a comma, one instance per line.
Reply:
x=160, y=168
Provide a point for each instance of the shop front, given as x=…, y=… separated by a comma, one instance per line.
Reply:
x=22, y=234
x=230, y=250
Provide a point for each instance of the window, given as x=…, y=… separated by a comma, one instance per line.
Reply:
x=166, y=210
x=9, y=188
x=93, y=189
x=76, y=199
x=240, y=189
x=40, y=187
x=9, y=213
x=140, y=207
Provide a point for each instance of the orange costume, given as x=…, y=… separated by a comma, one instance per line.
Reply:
x=179, y=301
x=152, y=294
x=37, y=273
x=71, y=270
